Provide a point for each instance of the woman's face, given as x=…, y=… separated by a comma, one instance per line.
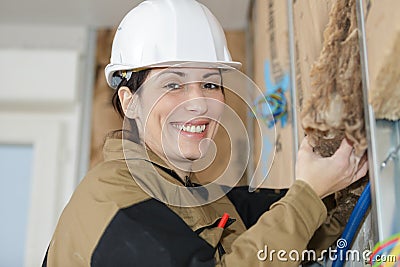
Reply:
x=180, y=109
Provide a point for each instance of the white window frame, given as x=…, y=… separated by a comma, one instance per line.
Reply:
x=46, y=190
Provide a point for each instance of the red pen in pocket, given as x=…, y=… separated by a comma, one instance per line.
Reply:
x=223, y=220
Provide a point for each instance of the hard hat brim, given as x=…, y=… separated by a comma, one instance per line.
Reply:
x=112, y=68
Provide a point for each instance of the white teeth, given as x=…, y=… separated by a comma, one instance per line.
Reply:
x=190, y=128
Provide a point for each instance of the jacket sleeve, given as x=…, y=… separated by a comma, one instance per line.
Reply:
x=281, y=234
x=330, y=230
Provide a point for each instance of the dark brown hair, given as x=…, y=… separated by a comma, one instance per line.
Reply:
x=136, y=80
x=134, y=83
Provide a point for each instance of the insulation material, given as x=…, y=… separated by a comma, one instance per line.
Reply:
x=268, y=22
x=334, y=108
x=383, y=44
x=327, y=64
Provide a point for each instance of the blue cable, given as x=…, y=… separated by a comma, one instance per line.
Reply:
x=350, y=230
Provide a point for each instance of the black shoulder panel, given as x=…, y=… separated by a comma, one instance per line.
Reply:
x=251, y=206
x=150, y=234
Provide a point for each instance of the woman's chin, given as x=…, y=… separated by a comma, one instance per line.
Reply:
x=192, y=156
x=196, y=151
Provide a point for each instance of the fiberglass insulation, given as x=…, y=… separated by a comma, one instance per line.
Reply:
x=334, y=106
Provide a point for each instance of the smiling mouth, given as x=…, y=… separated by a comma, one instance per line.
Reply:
x=190, y=128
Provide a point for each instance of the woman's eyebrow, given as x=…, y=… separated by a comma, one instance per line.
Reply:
x=183, y=74
x=179, y=73
x=211, y=74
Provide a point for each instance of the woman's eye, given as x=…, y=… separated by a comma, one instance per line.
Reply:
x=173, y=86
x=212, y=86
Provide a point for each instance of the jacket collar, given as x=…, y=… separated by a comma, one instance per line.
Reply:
x=201, y=219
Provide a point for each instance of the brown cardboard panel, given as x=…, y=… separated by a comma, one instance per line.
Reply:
x=104, y=118
x=383, y=45
x=310, y=20
x=270, y=35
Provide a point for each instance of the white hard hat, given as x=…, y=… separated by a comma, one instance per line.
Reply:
x=162, y=33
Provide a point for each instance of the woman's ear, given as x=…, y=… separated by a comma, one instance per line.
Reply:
x=128, y=102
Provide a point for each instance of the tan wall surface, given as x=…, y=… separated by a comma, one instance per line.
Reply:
x=270, y=35
x=104, y=118
x=383, y=41
x=310, y=20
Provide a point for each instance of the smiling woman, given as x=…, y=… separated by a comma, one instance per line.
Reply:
x=144, y=206
x=176, y=104
x=183, y=104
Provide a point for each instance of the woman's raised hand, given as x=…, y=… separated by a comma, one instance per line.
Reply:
x=328, y=175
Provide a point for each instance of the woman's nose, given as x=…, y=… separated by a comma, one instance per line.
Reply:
x=196, y=101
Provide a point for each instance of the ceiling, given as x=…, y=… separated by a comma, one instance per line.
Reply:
x=102, y=13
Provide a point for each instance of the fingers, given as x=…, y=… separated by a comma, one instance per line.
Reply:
x=362, y=171
x=363, y=159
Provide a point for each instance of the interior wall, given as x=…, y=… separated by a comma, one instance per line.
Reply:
x=104, y=118
x=270, y=51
